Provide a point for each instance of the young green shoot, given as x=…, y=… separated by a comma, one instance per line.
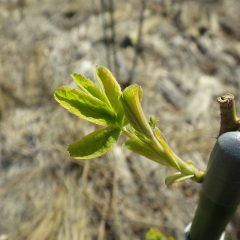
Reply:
x=119, y=113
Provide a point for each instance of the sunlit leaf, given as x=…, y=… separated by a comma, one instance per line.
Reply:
x=172, y=157
x=155, y=234
x=177, y=177
x=110, y=86
x=89, y=87
x=95, y=144
x=138, y=134
x=131, y=98
x=145, y=149
x=152, y=122
x=85, y=106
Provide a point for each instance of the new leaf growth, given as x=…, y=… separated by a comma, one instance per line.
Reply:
x=118, y=112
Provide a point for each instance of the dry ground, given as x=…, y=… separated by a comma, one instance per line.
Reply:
x=190, y=53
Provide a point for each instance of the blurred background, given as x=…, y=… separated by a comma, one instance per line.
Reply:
x=183, y=53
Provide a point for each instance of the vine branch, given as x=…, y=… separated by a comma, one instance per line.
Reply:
x=229, y=120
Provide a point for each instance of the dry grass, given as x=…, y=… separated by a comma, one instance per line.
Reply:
x=44, y=195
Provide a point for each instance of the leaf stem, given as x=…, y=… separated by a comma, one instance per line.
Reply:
x=182, y=166
x=188, y=169
x=127, y=133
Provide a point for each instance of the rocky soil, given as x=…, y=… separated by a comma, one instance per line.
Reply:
x=188, y=55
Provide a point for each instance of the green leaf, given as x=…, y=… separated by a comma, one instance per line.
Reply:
x=85, y=106
x=155, y=234
x=177, y=177
x=110, y=87
x=171, y=156
x=145, y=150
x=95, y=144
x=89, y=87
x=152, y=122
x=131, y=98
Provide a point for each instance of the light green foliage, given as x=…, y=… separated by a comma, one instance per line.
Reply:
x=118, y=112
x=177, y=177
x=95, y=144
x=172, y=158
x=112, y=90
x=155, y=234
x=142, y=148
x=89, y=87
x=131, y=101
x=85, y=106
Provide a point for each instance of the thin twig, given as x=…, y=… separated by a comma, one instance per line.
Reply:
x=113, y=37
x=138, y=45
x=104, y=29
